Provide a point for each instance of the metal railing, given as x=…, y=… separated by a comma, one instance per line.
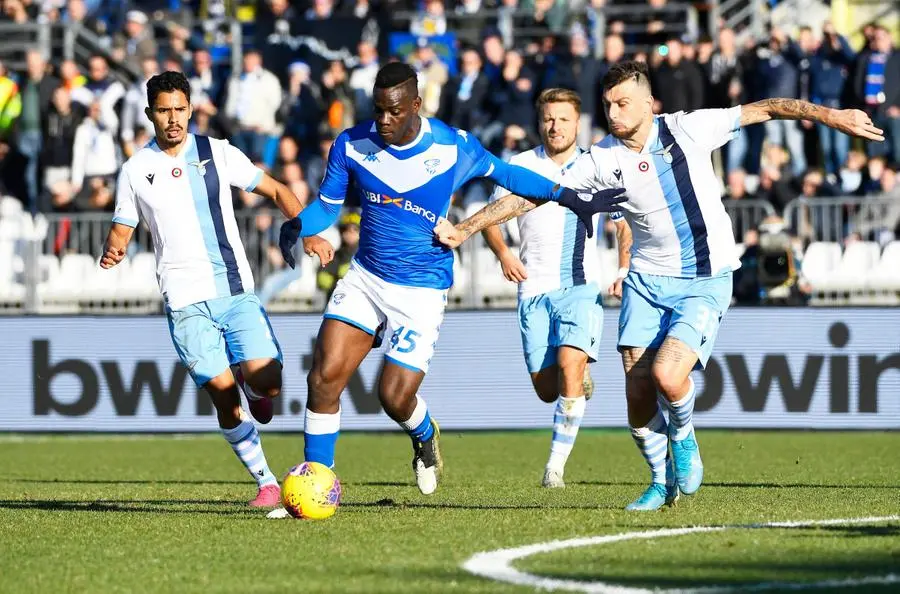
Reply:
x=873, y=218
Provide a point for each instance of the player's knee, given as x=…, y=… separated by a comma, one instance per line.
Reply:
x=546, y=384
x=667, y=381
x=269, y=387
x=547, y=394
x=322, y=382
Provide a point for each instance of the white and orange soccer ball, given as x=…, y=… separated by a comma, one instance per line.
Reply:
x=311, y=491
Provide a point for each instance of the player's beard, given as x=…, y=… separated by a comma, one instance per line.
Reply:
x=552, y=151
x=624, y=134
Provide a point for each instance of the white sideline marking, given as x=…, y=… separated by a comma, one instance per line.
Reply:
x=497, y=565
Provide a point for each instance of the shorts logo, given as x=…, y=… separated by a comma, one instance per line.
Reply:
x=644, y=166
x=337, y=298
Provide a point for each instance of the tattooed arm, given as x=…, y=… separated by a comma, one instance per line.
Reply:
x=849, y=121
x=500, y=211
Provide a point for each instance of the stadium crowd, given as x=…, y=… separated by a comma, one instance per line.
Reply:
x=69, y=127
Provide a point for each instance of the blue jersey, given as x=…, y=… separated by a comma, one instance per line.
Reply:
x=404, y=190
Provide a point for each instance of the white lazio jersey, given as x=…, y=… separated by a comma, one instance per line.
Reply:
x=186, y=202
x=674, y=207
x=555, y=249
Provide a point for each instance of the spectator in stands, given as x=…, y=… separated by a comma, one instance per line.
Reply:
x=430, y=21
x=432, y=76
x=328, y=276
x=76, y=17
x=362, y=80
x=207, y=83
x=10, y=104
x=301, y=110
x=613, y=53
x=292, y=176
x=725, y=73
x=577, y=70
x=511, y=99
x=36, y=92
x=779, y=78
x=494, y=57
x=876, y=83
x=103, y=89
x=464, y=98
x=677, y=83
x=253, y=100
x=135, y=43
x=851, y=177
x=320, y=10
x=62, y=122
x=337, y=98
x=315, y=164
x=829, y=68
x=94, y=155
x=71, y=76
x=133, y=114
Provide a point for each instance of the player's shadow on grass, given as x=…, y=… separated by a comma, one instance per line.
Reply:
x=157, y=506
x=610, y=483
x=391, y=504
x=129, y=481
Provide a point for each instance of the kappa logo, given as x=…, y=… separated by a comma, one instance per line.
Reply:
x=150, y=177
x=431, y=165
x=371, y=157
x=200, y=165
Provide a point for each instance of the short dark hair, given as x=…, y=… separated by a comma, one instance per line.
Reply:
x=393, y=74
x=167, y=82
x=623, y=71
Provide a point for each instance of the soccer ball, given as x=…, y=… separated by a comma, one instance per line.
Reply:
x=311, y=491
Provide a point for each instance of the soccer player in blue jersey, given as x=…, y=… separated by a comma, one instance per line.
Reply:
x=406, y=168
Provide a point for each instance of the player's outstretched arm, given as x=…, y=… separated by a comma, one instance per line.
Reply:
x=286, y=201
x=850, y=121
x=116, y=241
x=499, y=211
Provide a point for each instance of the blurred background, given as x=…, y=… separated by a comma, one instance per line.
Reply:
x=816, y=213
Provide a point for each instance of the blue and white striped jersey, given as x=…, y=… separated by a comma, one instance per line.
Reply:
x=674, y=208
x=186, y=202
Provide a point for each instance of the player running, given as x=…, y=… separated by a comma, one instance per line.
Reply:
x=406, y=167
x=180, y=185
x=560, y=306
x=679, y=285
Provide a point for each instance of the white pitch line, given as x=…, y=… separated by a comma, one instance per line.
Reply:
x=497, y=565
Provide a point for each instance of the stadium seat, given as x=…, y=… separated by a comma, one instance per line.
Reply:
x=819, y=262
x=853, y=271
x=10, y=207
x=885, y=275
x=10, y=228
x=69, y=283
x=140, y=280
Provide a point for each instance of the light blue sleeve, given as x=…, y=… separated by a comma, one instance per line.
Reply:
x=323, y=212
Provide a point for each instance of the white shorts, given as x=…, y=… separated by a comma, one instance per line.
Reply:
x=411, y=316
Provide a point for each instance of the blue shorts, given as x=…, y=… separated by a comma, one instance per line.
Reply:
x=689, y=309
x=212, y=335
x=566, y=317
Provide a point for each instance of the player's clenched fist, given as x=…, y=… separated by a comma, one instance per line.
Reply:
x=111, y=257
x=447, y=234
x=320, y=247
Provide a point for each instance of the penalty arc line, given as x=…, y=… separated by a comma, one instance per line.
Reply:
x=497, y=565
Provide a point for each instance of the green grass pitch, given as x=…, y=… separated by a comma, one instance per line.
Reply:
x=169, y=514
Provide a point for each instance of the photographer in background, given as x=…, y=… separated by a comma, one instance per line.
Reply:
x=770, y=268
